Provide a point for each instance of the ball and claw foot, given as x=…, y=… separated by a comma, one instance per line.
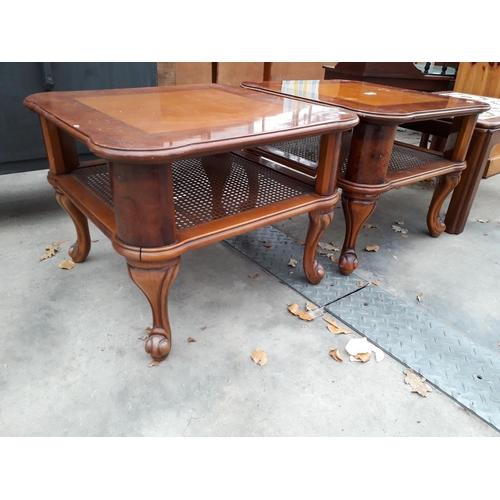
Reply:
x=158, y=346
x=348, y=262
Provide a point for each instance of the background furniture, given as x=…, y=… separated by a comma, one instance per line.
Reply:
x=171, y=176
x=396, y=74
x=485, y=139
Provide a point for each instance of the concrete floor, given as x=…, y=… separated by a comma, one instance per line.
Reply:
x=72, y=360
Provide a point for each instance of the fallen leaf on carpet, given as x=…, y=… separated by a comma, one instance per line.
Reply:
x=416, y=383
x=49, y=252
x=267, y=245
x=67, y=264
x=334, y=353
x=292, y=263
x=255, y=276
x=360, y=284
x=60, y=242
x=154, y=363
x=310, y=306
x=483, y=221
x=369, y=226
x=419, y=297
x=301, y=242
x=259, y=357
x=400, y=223
x=372, y=248
x=294, y=309
x=376, y=282
x=190, y=339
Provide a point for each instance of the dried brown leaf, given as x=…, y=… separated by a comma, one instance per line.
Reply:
x=301, y=242
x=363, y=356
x=310, y=306
x=259, y=357
x=376, y=282
x=255, y=276
x=60, y=242
x=369, y=226
x=267, y=245
x=67, y=264
x=335, y=354
x=154, y=363
x=416, y=383
x=190, y=339
x=372, y=248
x=49, y=252
x=334, y=328
x=294, y=309
x=292, y=263
x=328, y=247
x=360, y=283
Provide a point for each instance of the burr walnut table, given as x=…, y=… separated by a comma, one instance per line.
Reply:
x=172, y=175
x=372, y=162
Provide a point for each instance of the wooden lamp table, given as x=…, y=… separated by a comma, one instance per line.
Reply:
x=372, y=162
x=171, y=175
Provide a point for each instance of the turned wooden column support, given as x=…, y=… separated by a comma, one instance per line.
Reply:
x=356, y=209
x=444, y=186
x=81, y=248
x=155, y=283
x=318, y=223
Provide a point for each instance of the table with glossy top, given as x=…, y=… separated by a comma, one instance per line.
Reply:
x=374, y=162
x=172, y=174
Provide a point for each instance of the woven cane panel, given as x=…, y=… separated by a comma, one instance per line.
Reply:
x=96, y=179
x=210, y=188
x=402, y=158
x=224, y=185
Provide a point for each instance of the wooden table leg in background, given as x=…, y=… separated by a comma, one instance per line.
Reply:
x=465, y=192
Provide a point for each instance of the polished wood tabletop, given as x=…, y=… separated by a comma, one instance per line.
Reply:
x=368, y=100
x=165, y=123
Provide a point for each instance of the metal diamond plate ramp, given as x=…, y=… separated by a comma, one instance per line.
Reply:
x=272, y=250
x=468, y=373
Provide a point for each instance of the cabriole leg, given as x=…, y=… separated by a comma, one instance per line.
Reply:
x=356, y=213
x=444, y=186
x=155, y=283
x=81, y=248
x=318, y=223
